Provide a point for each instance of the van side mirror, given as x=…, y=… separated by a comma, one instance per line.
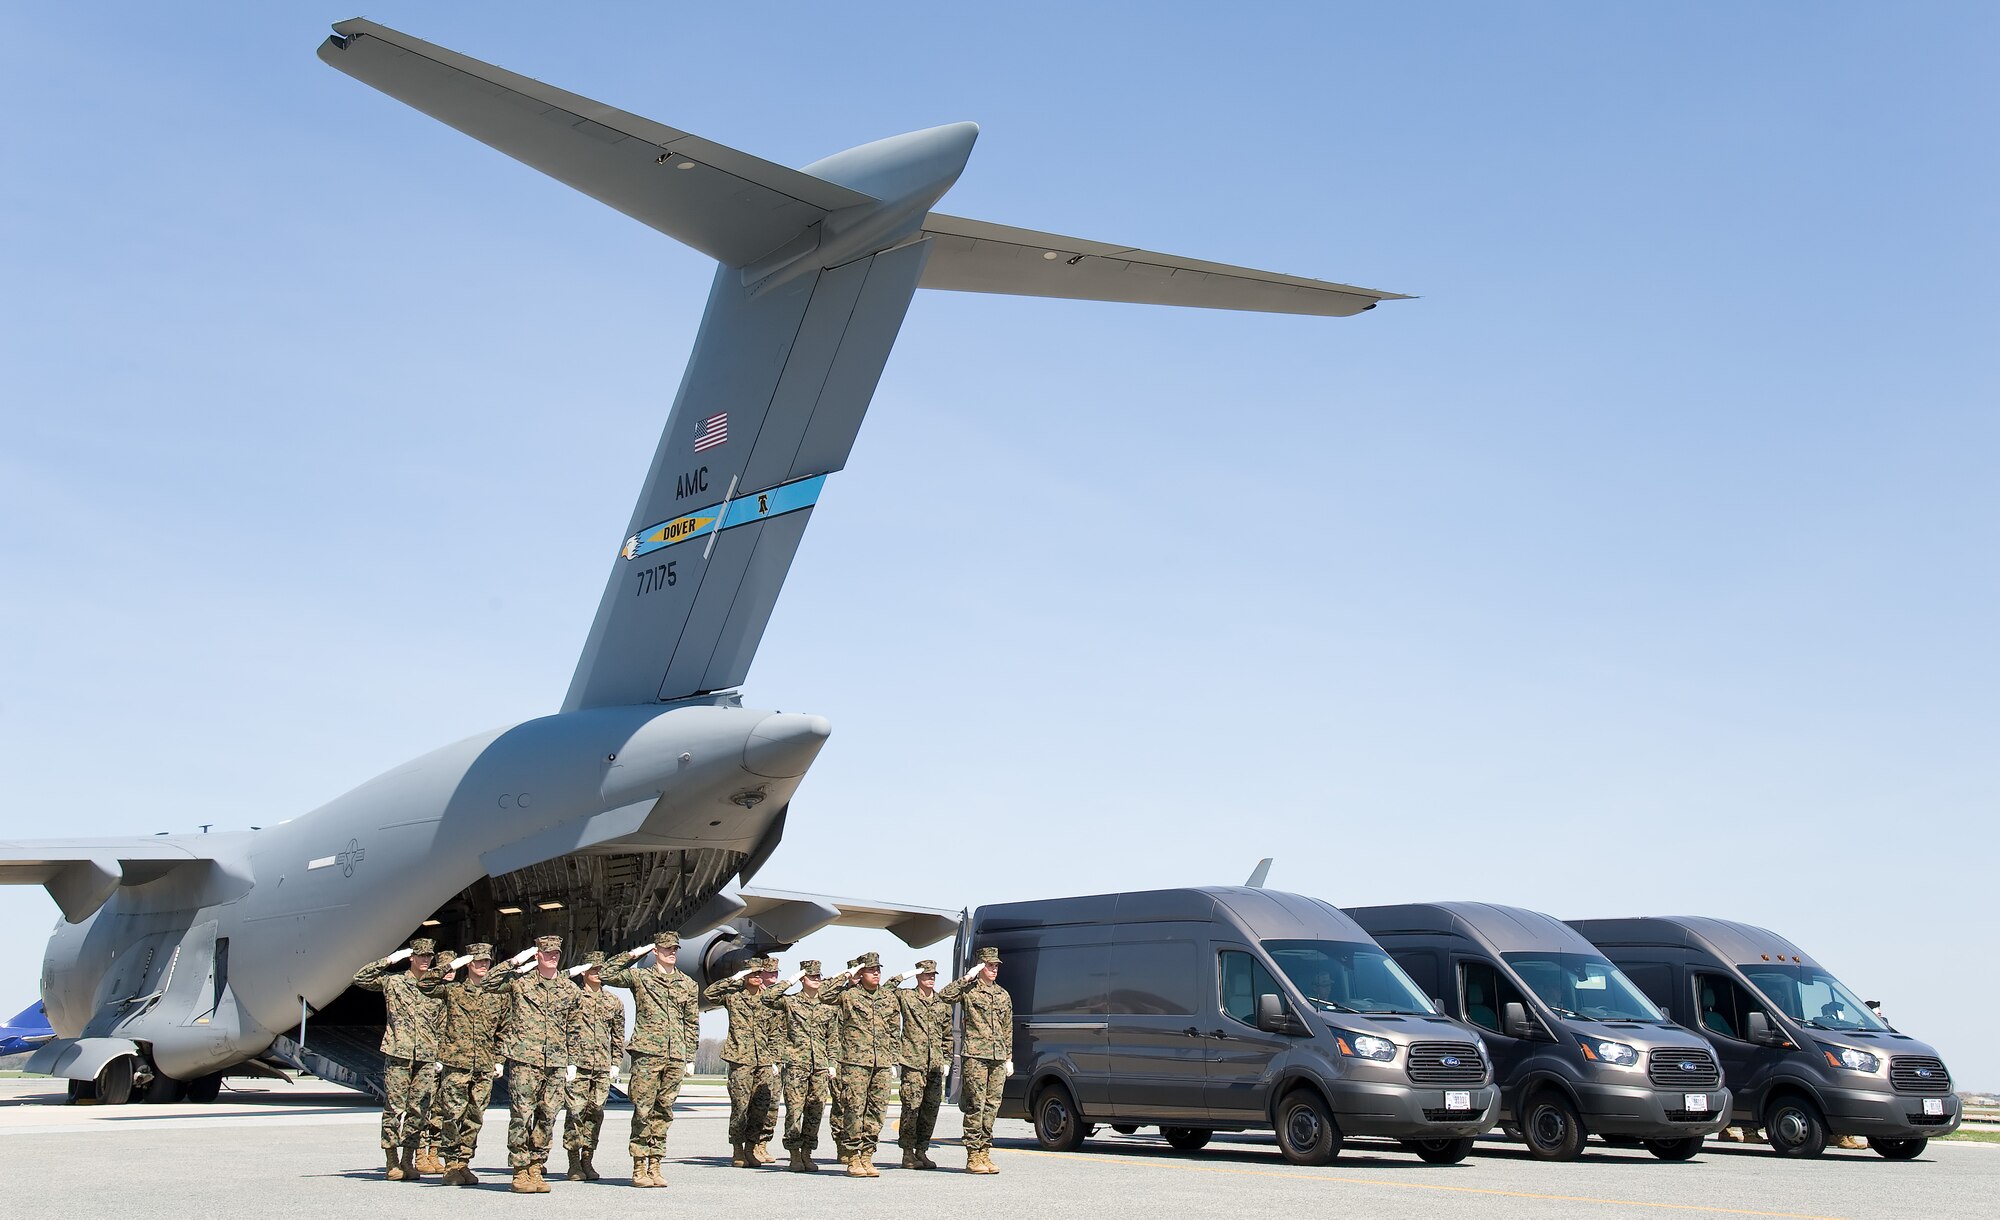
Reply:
x=1273, y=1019
x=1514, y=1019
x=1757, y=1027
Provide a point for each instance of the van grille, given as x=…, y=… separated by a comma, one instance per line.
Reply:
x=1687, y=1068
x=1428, y=1063
x=1919, y=1074
x=1916, y=1120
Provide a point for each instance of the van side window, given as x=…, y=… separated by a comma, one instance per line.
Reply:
x=1243, y=980
x=1656, y=979
x=1156, y=978
x=1484, y=995
x=1422, y=967
x=1721, y=1006
x=1069, y=980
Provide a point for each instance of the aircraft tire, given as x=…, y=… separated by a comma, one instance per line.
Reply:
x=203, y=1090
x=114, y=1082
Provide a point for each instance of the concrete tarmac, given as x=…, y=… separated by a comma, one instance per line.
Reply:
x=276, y=1151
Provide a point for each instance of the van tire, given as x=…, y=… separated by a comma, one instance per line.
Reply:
x=1898, y=1150
x=1187, y=1139
x=1552, y=1128
x=1442, y=1151
x=1307, y=1134
x=1793, y=1127
x=1058, y=1126
x=1675, y=1150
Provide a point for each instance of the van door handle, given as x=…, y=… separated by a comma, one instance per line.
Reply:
x=1216, y=1033
x=1192, y=1032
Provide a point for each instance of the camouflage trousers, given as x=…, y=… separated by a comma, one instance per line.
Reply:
x=922, y=1091
x=656, y=1085
x=753, y=1103
x=585, y=1112
x=462, y=1097
x=408, y=1088
x=534, y=1094
x=867, y=1090
x=807, y=1090
x=979, y=1098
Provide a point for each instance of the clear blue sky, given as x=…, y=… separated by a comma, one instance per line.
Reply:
x=1646, y=563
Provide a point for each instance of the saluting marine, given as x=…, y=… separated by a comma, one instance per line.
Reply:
x=752, y=1051
x=808, y=1070
x=433, y=1130
x=836, y=1106
x=469, y=1051
x=666, y=1032
x=924, y=1056
x=542, y=1003
x=596, y=1040
x=870, y=1026
x=987, y=1057
x=409, y=1048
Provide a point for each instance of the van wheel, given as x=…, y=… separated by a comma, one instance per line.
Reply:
x=1058, y=1127
x=204, y=1089
x=1441, y=1152
x=1307, y=1134
x=1125, y=1128
x=114, y=1081
x=1186, y=1139
x=1794, y=1127
x=1898, y=1150
x=1674, y=1150
x=1552, y=1128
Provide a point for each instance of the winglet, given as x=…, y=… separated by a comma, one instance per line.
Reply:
x=1258, y=874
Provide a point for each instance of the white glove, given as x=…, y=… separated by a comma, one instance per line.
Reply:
x=687, y=1069
x=437, y=1069
x=499, y=1070
x=569, y=1073
x=458, y=963
x=740, y=975
x=522, y=956
x=793, y=981
x=576, y=970
x=397, y=956
x=641, y=951
x=974, y=972
x=1009, y=1065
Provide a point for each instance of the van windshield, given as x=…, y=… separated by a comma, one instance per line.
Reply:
x=1343, y=976
x=1583, y=986
x=1811, y=996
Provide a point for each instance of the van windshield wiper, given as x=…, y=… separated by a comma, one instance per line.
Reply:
x=1335, y=1007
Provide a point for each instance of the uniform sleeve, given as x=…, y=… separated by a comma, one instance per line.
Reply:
x=497, y=979
x=691, y=1022
x=954, y=991
x=369, y=977
x=721, y=988
x=431, y=982
x=618, y=971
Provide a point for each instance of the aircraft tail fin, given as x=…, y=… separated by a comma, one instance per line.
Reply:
x=1259, y=874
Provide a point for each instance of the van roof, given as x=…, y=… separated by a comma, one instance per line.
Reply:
x=1498, y=929
x=1258, y=913
x=1726, y=939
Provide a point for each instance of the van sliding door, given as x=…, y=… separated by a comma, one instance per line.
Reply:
x=1156, y=1044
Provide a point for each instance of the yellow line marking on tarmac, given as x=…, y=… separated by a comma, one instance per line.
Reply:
x=1462, y=1190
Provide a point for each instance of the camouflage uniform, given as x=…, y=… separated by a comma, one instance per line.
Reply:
x=807, y=1068
x=666, y=1032
x=988, y=1046
x=836, y=1108
x=469, y=1049
x=536, y=1045
x=925, y=1057
x=434, y=1113
x=870, y=1034
x=409, y=1045
x=596, y=1040
x=752, y=1051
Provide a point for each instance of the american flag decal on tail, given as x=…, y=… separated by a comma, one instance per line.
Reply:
x=714, y=431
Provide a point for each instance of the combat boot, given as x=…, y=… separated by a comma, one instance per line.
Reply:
x=524, y=1181
x=801, y=1163
x=590, y=1173
x=576, y=1160
x=540, y=1182
x=924, y=1160
x=427, y=1159
x=854, y=1169
x=761, y=1151
x=457, y=1173
x=411, y=1171
x=653, y=1177
x=910, y=1160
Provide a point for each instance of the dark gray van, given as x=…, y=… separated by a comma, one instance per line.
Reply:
x=1577, y=1049
x=1804, y=1057
x=1227, y=1009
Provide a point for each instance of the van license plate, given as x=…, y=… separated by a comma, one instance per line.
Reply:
x=1458, y=1101
x=1934, y=1107
x=1696, y=1103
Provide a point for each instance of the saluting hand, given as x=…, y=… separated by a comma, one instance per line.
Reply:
x=458, y=963
x=569, y=1073
x=641, y=951
x=521, y=957
x=397, y=956
x=974, y=972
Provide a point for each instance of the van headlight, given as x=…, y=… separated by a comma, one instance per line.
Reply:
x=1368, y=1046
x=1616, y=1053
x=1851, y=1059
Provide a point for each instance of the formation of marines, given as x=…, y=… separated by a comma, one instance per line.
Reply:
x=830, y=1050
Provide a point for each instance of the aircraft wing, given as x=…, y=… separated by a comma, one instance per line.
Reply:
x=793, y=916
x=81, y=873
x=977, y=256
x=729, y=205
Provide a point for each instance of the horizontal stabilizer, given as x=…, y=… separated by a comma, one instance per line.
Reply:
x=729, y=205
x=80, y=874
x=975, y=256
x=792, y=916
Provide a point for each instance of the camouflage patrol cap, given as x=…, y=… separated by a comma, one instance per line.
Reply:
x=480, y=952
x=868, y=961
x=445, y=957
x=548, y=944
x=666, y=940
x=763, y=963
x=989, y=956
x=423, y=946
x=809, y=968
x=594, y=958
x=927, y=966
x=852, y=962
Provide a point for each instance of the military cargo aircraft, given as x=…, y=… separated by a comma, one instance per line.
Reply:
x=652, y=795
